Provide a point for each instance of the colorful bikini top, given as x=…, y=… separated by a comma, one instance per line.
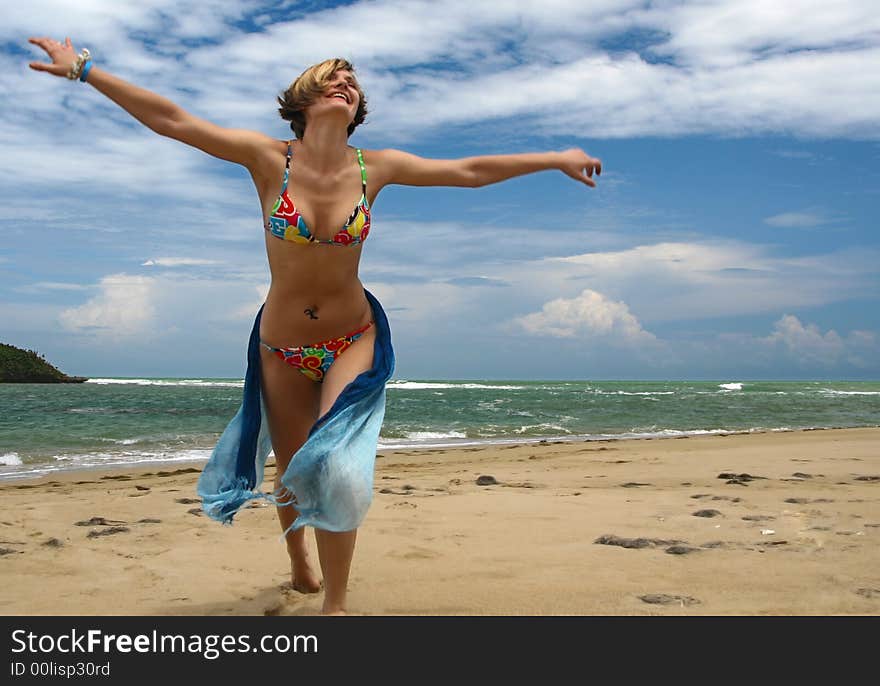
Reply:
x=287, y=223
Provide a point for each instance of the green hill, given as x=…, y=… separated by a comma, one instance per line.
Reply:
x=26, y=366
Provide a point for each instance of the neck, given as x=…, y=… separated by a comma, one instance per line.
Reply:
x=325, y=145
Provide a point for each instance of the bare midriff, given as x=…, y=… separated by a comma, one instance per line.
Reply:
x=322, y=279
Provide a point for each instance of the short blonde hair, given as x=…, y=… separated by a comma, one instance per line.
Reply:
x=308, y=87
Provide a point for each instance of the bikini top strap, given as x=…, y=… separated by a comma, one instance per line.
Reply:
x=363, y=169
x=287, y=166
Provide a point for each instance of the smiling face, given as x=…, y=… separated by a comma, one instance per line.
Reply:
x=339, y=94
x=329, y=88
x=343, y=88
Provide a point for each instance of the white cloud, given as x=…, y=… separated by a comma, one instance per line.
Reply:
x=124, y=308
x=725, y=32
x=42, y=286
x=249, y=309
x=727, y=67
x=663, y=282
x=589, y=314
x=808, y=345
x=795, y=219
x=177, y=262
x=807, y=342
x=686, y=281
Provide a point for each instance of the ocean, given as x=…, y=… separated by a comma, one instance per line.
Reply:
x=120, y=422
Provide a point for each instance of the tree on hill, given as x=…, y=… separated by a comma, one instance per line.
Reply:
x=18, y=365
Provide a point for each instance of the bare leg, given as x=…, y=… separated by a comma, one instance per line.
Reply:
x=335, y=551
x=292, y=407
x=302, y=576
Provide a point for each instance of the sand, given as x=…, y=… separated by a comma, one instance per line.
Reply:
x=799, y=535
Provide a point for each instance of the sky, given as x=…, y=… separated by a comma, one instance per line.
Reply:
x=732, y=234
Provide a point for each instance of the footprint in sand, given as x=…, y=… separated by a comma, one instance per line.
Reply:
x=274, y=610
x=668, y=599
x=290, y=598
x=869, y=592
x=415, y=553
x=681, y=549
x=95, y=533
x=99, y=521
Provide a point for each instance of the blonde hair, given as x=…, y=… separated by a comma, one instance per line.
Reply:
x=308, y=87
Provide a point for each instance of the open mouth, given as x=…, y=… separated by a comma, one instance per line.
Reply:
x=340, y=96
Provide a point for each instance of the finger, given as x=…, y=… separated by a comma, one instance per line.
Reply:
x=39, y=66
x=43, y=43
x=598, y=166
x=587, y=180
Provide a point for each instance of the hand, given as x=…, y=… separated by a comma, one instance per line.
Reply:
x=580, y=166
x=63, y=56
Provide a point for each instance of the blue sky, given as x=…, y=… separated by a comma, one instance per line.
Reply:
x=733, y=233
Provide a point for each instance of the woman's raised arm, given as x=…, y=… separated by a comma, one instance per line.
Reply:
x=397, y=167
x=158, y=113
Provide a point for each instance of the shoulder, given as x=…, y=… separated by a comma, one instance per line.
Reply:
x=268, y=156
x=379, y=164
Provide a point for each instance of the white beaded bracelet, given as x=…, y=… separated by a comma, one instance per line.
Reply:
x=76, y=67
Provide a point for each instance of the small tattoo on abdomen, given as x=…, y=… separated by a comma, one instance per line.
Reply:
x=311, y=311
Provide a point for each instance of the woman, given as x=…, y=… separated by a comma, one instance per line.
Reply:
x=322, y=418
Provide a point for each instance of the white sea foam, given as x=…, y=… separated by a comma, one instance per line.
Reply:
x=73, y=461
x=168, y=382
x=527, y=427
x=402, y=443
x=433, y=435
x=492, y=404
x=421, y=385
x=487, y=439
x=736, y=386
x=650, y=393
x=10, y=460
x=831, y=391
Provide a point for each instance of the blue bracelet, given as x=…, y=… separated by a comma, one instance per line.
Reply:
x=85, y=71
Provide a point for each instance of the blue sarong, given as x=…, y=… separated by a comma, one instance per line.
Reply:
x=331, y=475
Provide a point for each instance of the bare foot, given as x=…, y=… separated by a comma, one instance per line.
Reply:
x=302, y=576
x=333, y=612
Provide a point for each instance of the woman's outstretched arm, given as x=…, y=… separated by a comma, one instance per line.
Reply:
x=156, y=112
x=398, y=167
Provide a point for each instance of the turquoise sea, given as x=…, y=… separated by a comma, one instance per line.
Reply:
x=114, y=421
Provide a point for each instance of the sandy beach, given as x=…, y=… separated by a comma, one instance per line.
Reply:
x=761, y=524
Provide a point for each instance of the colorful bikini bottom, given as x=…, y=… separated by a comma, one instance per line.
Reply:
x=314, y=360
